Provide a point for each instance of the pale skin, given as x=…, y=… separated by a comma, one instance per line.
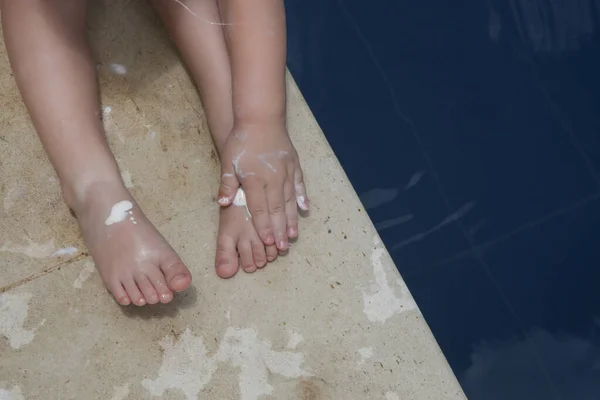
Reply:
x=45, y=41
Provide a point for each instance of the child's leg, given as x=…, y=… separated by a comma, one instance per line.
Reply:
x=203, y=48
x=46, y=44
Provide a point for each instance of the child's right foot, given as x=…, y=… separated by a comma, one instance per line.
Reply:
x=135, y=262
x=238, y=244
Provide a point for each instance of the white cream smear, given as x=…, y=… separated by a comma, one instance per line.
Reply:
x=301, y=201
x=240, y=200
x=118, y=69
x=121, y=392
x=14, y=308
x=383, y=303
x=294, y=339
x=391, y=396
x=67, y=251
x=119, y=212
x=14, y=394
x=188, y=366
x=84, y=274
x=365, y=353
x=33, y=250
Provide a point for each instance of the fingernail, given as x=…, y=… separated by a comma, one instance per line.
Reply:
x=302, y=202
x=223, y=201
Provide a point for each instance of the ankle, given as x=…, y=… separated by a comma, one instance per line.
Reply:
x=79, y=196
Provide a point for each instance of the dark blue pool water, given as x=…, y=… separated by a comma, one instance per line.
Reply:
x=471, y=130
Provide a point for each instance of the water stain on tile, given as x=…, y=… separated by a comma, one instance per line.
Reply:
x=120, y=393
x=30, y=249
x=14, y=308
x=13, y=196
x=187, y=366
x=382, y=303
x=12, y=394
x=85, y=273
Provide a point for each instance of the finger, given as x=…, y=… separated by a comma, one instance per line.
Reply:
x=300, y=189
x=276, y=202
x=256, y=199
x=291, y=211
x=228, y=187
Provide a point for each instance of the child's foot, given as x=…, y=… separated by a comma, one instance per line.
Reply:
x=238, y=244
x=135, y=262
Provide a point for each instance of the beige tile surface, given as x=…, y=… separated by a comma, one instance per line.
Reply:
x=332, y=320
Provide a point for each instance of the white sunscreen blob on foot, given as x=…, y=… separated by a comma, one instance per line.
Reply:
x=240, y=200
x=118, y=212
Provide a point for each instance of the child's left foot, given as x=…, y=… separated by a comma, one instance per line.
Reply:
x=238, y=243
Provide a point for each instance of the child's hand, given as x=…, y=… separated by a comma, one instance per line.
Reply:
x=264, y=162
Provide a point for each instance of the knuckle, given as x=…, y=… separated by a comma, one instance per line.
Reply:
x=226, y=186
x=277, y=209
x=258, y=210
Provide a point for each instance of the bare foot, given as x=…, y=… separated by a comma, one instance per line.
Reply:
x=134, y=260
x=239, y=244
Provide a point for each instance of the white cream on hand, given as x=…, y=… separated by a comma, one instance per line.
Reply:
x=301, y=201
x=119, y=212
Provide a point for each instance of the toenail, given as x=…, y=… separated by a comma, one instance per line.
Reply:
x=223, y=201
x=166, y=296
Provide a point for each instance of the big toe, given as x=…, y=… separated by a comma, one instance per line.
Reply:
x=177, y=275
x=227, y=261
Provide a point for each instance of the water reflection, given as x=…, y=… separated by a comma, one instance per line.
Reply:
x=547, y=26
x=541, y=365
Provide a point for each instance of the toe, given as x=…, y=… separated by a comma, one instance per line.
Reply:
x=157, y=279
x=178, y=277
x=133, y=292
x=271, y=252
x=147, y=288
x=246, y=258
x=119, y=294
x=226, y=258
x=258, y=253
